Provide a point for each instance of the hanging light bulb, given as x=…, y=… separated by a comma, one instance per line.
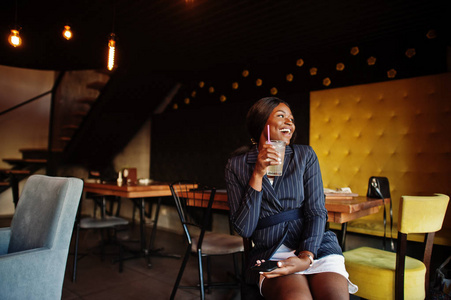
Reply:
x=14, y=38
x=111, y=51
x=67, y=33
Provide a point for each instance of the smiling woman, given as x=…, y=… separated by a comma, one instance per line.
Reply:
x=284, y=216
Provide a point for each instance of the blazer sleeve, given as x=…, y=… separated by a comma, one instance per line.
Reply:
x=315, y=213
x=244, y=201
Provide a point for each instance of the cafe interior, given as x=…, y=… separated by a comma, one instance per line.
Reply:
x=139, y=95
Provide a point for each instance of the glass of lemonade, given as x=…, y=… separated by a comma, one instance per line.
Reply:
x=276, y=170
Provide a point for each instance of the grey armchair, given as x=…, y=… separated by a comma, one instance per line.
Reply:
x=33, y=251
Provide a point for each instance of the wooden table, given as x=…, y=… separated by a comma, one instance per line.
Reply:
x=138, y=194
x=339, y=210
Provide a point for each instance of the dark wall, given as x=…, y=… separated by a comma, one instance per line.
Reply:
x=195, y=143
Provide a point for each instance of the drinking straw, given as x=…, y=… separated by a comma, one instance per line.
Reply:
x=269, y=139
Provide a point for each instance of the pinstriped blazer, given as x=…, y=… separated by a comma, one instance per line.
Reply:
x=300, y=186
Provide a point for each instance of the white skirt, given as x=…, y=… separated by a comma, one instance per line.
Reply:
x=332, y=263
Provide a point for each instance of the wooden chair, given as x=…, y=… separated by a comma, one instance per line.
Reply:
x=200, y=241
x=383, y=274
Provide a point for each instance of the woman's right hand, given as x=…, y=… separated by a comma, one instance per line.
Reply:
x=267, y=156
x=288, y=266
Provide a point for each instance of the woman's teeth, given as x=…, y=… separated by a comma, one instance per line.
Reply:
x=286, y=130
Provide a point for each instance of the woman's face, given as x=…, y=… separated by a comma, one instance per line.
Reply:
x=281, y=125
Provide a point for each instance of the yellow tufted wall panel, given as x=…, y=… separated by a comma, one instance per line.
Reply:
x=399, y=129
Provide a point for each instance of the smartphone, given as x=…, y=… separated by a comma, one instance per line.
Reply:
x=267, y=266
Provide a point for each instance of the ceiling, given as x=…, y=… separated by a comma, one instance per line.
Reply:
x=179, y=36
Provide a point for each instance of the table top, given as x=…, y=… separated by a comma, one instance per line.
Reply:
x=339, y=210
x=153, y=189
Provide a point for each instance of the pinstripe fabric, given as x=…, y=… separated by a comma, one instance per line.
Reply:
x=299, y=186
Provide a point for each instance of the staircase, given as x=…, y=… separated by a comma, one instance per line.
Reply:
x=32, y=160
x=96, y=114
x=73, y=99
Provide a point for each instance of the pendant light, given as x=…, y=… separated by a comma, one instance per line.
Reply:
x=112, y=45
x=67, y=32
x=14, y=38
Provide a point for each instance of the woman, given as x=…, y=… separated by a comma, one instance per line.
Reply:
x=310, y=261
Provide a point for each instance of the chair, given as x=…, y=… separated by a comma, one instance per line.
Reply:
x=383, y=274
x=33, y=251
x=204, y=243
x=249, y=291
x=103, y=223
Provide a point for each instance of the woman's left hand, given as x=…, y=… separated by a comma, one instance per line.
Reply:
x=288, y=266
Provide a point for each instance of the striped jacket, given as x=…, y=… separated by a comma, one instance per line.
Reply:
x=300, y=186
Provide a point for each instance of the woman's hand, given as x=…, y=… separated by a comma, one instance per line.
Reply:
x=288, y=266
x=267, y=156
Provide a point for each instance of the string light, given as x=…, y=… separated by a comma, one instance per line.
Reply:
x=326, y=82
x=67, y=33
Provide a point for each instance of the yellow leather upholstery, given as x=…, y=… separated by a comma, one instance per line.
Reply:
x=373, y=270
x=399, y=129
x=416, y=215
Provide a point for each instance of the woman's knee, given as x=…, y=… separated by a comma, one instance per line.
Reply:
x=287, y=287
x=329, y=286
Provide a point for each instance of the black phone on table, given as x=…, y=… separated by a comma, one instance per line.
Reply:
x=266, y=266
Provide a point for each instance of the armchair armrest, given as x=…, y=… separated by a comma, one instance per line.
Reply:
x=34, y=274
x=5, y=236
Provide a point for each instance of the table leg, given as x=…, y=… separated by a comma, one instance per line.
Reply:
x=344, y=228
x=142, y=220
x=152, y=250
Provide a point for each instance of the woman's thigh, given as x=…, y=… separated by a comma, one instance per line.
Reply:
x=328, y=285
x=294, y=286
